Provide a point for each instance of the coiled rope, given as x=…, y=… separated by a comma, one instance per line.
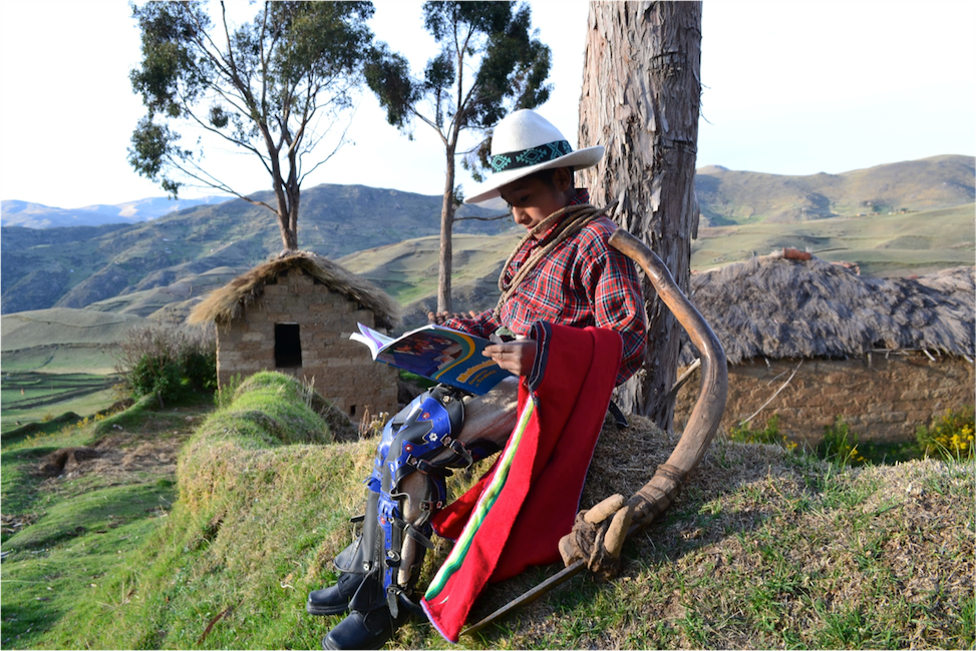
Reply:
x=571, y=220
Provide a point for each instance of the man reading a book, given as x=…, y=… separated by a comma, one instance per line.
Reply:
x=567, y=296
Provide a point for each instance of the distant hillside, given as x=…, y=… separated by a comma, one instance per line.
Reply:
x=881, y=245
x=160, y=268
x=36, y=215
x=62, y=340
x=176, y=255
x=408, y=271
x=728, y=197
x=885, y=245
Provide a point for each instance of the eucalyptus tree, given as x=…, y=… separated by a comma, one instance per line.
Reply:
x=273, y=88
x=641, y=94
x=490, y=63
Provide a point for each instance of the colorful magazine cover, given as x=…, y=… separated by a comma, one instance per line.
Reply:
x=437, y=353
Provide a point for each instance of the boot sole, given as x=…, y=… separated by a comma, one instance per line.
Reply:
x=329, y=647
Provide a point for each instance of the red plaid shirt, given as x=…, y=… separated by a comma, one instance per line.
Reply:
x=583, y=282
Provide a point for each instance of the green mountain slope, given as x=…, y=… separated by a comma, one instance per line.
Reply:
x=730, y=197
x=160, y=268
x=76, y=267
x=408, y=271
x=62, y=340
x=900, y=244
x=896, y=244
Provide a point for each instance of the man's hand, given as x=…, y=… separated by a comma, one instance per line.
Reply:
x=439, y=318
x=514, y=356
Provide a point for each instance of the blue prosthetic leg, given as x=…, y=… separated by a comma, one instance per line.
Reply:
x=420, y=438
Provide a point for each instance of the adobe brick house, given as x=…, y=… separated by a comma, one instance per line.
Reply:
x=294, y=314
x=810, y=340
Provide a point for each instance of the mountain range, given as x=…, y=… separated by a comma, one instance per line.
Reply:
x=35, y=215
x=730, y=197
x=916, y=213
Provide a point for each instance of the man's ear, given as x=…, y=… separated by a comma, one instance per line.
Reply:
x=563, y=179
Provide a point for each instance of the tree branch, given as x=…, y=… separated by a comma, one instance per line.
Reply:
x=483, y=219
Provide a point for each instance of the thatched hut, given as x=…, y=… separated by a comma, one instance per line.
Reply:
x=886, y=354
x=294, y=314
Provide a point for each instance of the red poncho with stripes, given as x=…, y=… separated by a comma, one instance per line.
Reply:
x=517, y=512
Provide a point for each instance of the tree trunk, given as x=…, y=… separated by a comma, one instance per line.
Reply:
x=447, y=247
x=640, y=99
x=288, y=222
x=294, y=201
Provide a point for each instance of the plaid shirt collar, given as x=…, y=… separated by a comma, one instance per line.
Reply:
x=582, y=197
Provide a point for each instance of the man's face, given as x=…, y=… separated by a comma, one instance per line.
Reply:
x=531, y=199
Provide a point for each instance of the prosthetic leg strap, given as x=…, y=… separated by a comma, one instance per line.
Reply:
x=422, y=437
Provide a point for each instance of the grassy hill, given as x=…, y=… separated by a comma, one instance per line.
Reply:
x=148, y=269
x=899, y=244
x=408, y=271
x=882, y=245
x=732, y=197
x=763, y=548
x=76, y=267
x=58, y=360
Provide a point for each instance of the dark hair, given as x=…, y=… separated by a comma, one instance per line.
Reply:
x=546, y=175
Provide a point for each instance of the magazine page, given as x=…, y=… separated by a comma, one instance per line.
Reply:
x=440, y=354
x=375, y=341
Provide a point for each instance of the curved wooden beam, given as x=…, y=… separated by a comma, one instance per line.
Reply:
x=655, y=496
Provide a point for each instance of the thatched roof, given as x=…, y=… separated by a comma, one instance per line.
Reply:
x=229, y=301
x=775, y=307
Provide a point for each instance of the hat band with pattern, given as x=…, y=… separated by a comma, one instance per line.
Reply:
x=532, y=156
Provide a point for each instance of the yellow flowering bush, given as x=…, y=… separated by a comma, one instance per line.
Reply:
x=950, y=435
x=839, y=445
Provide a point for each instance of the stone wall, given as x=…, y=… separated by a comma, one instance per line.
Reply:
x=882, y=397
x=342, y=370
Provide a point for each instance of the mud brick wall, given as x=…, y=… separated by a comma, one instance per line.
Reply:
x=882, y=398
x=342, y=370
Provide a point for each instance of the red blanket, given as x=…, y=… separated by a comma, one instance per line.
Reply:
x=517, y=512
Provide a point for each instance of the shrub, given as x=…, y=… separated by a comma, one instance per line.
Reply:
x=839, y=445
x=167, y=362
x=951, y=435
x=743, y=433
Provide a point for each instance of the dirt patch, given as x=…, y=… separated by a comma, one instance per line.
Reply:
x=113, y=457
x=15, y=523
x=124, y=455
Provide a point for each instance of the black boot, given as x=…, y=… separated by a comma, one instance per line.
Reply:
x=334, y=600
x=369, y=630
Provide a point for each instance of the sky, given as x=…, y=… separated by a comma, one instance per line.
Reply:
x=795, y=88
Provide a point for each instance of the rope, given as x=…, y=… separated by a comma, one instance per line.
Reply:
x=571, y=220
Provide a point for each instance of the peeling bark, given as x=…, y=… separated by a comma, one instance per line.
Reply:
x=640, y=99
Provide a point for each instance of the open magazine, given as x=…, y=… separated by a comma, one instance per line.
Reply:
x=437, y=353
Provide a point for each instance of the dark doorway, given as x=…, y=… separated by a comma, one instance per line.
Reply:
x=288, y=345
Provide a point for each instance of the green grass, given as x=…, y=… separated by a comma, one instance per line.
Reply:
x=61, y=358
x=30, y=396
x=63, y=535
x=881, y=244
x=764, y=548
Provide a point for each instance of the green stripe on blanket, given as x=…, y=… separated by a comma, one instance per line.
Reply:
x=456, y=558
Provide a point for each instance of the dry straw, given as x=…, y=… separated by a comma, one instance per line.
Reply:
x=775, y=307
x=229, y=301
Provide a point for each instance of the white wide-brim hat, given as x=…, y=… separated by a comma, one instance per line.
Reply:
x=523, y=143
